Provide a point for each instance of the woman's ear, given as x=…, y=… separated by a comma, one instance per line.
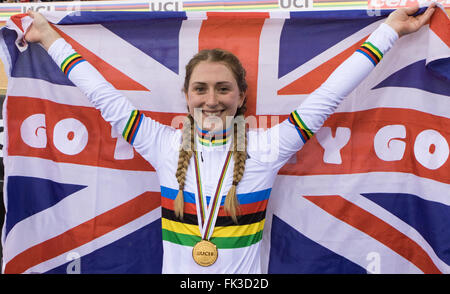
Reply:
x=241, y=99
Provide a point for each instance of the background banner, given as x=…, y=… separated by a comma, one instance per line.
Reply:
x=370, y=193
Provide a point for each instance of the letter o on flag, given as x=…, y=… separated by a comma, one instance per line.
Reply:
x=431, y=149
x=70, y=136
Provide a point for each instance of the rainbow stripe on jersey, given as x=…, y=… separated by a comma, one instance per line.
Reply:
x=371, y=52
x=70, y=62
x=226, y=234
x=132, y=126
x=304, y=132
x=213, y=139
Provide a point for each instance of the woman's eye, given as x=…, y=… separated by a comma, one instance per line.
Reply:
x=223, y=90
x=199, y=89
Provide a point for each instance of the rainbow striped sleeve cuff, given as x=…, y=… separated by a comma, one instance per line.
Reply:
x=70, y=62
x=132, y=127
x=304, y=132
x=371, y=51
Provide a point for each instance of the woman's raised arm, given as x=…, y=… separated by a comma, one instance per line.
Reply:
x=148, y=137
x=309, y=117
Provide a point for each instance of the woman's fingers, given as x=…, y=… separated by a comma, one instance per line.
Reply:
x=404, y=22
x=411, y=10
x=425, y=17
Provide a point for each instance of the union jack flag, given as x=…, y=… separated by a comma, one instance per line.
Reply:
x=369, y=193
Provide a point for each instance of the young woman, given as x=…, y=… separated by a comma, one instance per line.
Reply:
x=215, y=177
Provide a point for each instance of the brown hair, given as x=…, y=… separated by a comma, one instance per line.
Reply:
x=239, y=147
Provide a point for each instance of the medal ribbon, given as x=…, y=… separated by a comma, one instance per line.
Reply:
x=206, y=220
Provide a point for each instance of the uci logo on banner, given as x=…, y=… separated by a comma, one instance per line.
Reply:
x=295, y=4
x=166, y=5
x=37, y=7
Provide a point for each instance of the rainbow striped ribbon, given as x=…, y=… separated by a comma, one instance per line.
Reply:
x=202, y=211
x=206, y=221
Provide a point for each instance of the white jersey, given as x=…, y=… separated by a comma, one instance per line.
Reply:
x=238, y=244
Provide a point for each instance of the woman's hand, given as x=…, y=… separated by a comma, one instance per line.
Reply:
x=403, y=21
x=41, y=31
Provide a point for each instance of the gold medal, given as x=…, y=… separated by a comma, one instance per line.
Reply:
x=205, y=253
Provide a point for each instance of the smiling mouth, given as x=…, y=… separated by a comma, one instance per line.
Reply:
x=212, y=113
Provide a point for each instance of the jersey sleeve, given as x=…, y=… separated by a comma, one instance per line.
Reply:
x=147, y=136
x=309, y=117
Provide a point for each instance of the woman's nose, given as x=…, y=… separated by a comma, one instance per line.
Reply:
x=211, y=98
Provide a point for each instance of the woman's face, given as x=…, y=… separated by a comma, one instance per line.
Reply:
x=213, y=95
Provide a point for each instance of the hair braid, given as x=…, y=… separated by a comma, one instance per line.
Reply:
x=186, y=151
x=239, y=157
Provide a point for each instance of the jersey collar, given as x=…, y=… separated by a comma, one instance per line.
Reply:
x=210, y=139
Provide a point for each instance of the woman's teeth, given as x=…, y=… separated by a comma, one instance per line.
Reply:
x=212, y=113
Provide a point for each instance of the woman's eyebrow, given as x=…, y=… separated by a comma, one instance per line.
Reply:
x=224, y=83
x=205, y=83
x=198, y=83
